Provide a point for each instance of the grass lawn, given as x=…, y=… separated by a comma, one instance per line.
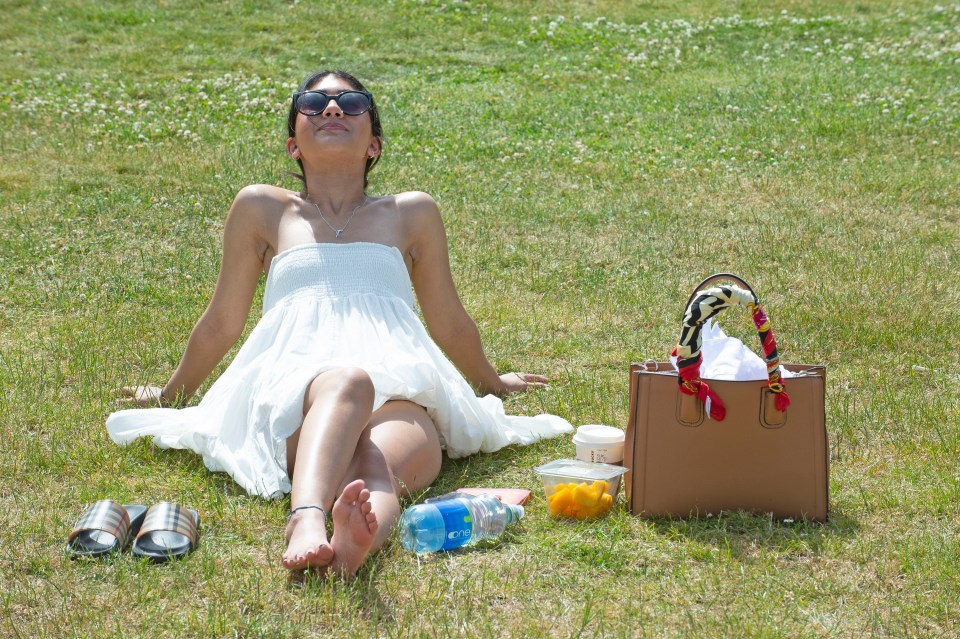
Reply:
x=593, y=161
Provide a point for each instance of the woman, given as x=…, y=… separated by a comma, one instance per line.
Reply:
x=339, y=395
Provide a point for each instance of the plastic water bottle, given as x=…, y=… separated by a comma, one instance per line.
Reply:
x=452, y=523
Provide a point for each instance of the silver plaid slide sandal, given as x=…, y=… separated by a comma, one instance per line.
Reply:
x=104, y=528
x=169, y=531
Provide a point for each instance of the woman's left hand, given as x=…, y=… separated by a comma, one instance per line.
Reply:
x=522, y=382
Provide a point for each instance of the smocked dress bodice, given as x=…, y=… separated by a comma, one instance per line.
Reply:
x=330, y=271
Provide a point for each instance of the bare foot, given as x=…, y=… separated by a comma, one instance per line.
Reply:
x=307, y=545
x=354, y=527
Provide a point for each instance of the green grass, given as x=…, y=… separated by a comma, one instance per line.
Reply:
x=593, y=161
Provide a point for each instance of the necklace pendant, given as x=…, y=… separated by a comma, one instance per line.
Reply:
x=338, y=232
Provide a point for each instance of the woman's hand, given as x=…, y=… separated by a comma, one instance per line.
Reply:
x=521, y=382
x=142, y=396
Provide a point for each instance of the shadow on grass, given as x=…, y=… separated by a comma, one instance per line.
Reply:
x=361, y=595
x=741, y=533
x=184, y=467
x=500, y=469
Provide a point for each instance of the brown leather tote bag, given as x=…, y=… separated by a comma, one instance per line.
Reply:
x=697, y=447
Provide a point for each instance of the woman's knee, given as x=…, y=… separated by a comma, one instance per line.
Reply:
x=345, y=385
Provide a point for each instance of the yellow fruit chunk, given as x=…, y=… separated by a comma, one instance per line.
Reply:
x=560, y=500
x=599, y=488
x=583, y=496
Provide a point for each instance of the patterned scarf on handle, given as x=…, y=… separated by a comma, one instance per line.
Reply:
x=704, y=306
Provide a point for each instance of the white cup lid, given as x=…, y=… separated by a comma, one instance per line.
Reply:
x=598, y=434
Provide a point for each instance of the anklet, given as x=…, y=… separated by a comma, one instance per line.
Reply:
x=305, y=508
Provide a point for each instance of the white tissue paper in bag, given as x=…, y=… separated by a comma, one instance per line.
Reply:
x=727, y=358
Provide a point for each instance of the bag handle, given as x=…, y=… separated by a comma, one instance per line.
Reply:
x=704, y=304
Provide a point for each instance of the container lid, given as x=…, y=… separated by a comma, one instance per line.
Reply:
x=598, y=434
x=580, y=469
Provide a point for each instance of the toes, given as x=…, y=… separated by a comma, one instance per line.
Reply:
x=353, y=490
x=319, y=557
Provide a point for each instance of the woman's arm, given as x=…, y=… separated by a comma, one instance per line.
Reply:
x=225, y=317
x=448, y=322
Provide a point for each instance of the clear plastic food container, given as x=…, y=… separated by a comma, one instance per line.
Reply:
x=579, y=489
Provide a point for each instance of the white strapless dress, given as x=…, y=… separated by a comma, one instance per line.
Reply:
x=327, y=306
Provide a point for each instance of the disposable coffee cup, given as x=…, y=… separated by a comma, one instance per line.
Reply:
x=599, y=443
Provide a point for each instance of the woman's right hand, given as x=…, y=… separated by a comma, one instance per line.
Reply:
x=521, y=383
x=142, y=396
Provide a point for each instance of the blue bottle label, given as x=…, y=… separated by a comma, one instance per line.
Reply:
x=457, y=521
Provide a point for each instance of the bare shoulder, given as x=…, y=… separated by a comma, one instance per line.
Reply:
x=420, y=218
x=419, y=210
x=261, y=197
x=259, y=205
x=414, y=202
x=254, y=216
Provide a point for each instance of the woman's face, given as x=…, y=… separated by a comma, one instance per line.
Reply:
x=333, y=131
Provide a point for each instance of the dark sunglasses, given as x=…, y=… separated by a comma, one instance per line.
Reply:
x=350, y=102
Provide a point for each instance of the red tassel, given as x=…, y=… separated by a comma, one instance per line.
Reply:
x=783, y=400
x=691, y=376
x=717, y=410
x=703, y=391
x=759, y=317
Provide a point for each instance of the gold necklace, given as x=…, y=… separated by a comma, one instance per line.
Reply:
x=339, y=231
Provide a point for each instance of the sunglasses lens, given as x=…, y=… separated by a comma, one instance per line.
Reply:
x=311, y=103
x=353, y=103
x=350, y=102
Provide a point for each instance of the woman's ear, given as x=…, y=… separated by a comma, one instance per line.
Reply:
x=375, y=147
x=293, y=150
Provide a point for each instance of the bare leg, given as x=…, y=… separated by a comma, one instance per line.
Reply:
x=337, y=408
x=399, y=452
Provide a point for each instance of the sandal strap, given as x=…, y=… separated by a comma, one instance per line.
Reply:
x=105, y=515
x=170, y=517
x=299, y=508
